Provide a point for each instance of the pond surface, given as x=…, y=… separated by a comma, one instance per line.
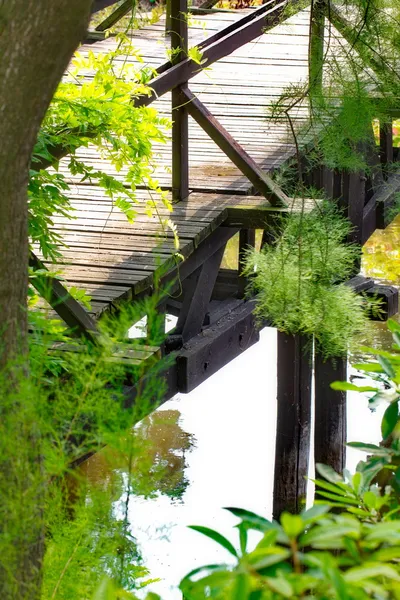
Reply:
x=216, y=446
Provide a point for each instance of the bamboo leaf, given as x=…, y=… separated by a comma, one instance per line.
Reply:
x=217, y=537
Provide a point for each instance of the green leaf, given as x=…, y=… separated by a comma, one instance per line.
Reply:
x=332, y=488
x=387, y=366
x=328, y=473
x=370, y=448
x=265, y=557
x=217, y=537
x=106, y=590
x=214, y=567
x=383, y=531
x=390, y=419
x=280, y=586
x=368, y=571
x=369, y=367
x=242, y=537
x=344, y=386
x=328, y=533
x=241, y=587
x=268, y=539
x=292, y=524
x=315, y=512
x=370, y=500
x=393, y=326
x=258, y=523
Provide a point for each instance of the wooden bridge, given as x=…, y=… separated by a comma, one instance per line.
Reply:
x=217, y=168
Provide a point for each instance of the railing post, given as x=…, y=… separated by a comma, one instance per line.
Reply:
x=292, y=447
x=386, y=144
x=180, y=130
x=316, y=47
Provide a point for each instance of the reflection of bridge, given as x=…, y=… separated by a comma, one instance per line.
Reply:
x=218, y=167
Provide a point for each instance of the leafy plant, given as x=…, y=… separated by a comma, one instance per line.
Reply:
x=298, y=280
x=351, y=553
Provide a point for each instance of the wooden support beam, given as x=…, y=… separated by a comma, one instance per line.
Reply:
x=198, y=290
x=330, y=413
x=386, y=143
x=180, y=125
x=52, y=290
x=220, y=343
x=247, y=240
x=261, y=181
x=293, y=423
x=116, y=16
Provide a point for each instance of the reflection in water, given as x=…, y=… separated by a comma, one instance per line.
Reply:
x=155, y=453
x=231, y=417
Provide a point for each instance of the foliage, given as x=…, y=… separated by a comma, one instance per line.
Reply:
x=347, y=546
x=315, y=554
x=360, y=84
x=96, y=112
x=298, y=280
x=74, y=402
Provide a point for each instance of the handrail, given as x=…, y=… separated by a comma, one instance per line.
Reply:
x=213, y=48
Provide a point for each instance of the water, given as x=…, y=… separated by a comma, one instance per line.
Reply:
x=217, y=445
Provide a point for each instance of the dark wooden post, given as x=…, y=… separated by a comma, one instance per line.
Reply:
x=247, y=238
x=386, y=143
x=293, y=423
x=316, y=47
x=180, y=131
x=330, y=413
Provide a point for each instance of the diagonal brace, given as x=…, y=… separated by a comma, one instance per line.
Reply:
x=199, y=287
x=261, y=181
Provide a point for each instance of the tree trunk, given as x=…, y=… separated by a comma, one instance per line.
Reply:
x=37, y=39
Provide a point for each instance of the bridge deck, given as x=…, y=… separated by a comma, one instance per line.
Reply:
x=113, y=259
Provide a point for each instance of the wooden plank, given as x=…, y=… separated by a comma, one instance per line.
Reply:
x=115, y=16
x=293, y=428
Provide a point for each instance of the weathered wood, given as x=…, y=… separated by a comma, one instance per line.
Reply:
x=180, y=131
x=265, y=18
x=353, y=200
x=292, y=447
x=261, y=181
x=386, y=143
x=330, y=413
x=197, y=295
x=116, y=16
x=247, y=240
x=217, y=345
x=74, y=315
